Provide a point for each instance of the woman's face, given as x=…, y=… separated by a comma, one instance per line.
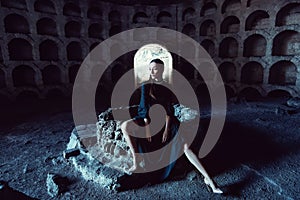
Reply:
x=156, y=71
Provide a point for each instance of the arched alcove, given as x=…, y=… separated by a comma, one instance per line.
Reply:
x=1, y=55
x=208, y=28
x=209, y=46
x=71, y=9
x=208, y=9
x=140, y=17
x=230, y=24
x=255, y=45
x=73, y=70
x=114, y=30
x=289, y=14
x=20, y=49
x=252, y=73
x=18, y=4
x=51, y=75
x=95, y=31
x=228, y=72
x=228, y=48
x=114, y=16
x=94, y=13
x=259, y=19
x=23, y=75
x=15, y=23
x=283, y=73
x=46, y=26
x=143, y=57
x=164, y=17
x=44, y=6
x=73, y=29
x=48, y=50
x=74, y=51
x=279, y=93
x=286, y=43
x=2, y=79
x=190, y=30
x=250, y=94
x=231, y=5
x=229, y=92
x=188, y=14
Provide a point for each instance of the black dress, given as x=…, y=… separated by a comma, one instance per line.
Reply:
x=150, y=94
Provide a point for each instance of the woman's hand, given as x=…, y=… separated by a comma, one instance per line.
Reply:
x=165, y=135
x=148, y=132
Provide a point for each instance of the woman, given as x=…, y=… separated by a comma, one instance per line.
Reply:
x=153, y=92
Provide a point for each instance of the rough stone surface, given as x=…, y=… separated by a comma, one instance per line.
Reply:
x=52, y=186
x=254, y=159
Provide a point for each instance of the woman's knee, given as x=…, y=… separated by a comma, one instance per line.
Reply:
x=125, y=127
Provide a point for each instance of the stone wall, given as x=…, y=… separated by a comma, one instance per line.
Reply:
x=254, y=43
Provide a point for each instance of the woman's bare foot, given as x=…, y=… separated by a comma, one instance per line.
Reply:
x=212, y=186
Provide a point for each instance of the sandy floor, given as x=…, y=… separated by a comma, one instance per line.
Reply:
x=257, y=157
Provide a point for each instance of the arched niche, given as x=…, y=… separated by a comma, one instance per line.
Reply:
x=15, y=23
x=190, y=30
x=71, y=9
x=20, y=49
x=114, y=30
x=74, y=51
x=283, y=73
x=208, y=28
x=208, y=9
x=228, y=72
x=286, y=43
x=229, y=92
x=48, y=50
x=95, y=31
x=73, y=70
x=228, y=48
x=164, y=17
x=250, y=94
x=255, y=45
x=18, y=4
x=51, y=75
x=23, y=75
x=188, y=14
x=140, y=17
x=73, y=29
x=94, y=13
x=259, y=19
x=252, y=73
x=289, y=14
x=44, y=6
x=143, y=57
x=209, y=46
x=230, y=24
x=231, y=5
x=46, y=26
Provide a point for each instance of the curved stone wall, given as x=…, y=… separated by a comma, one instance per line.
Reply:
x=255, y=44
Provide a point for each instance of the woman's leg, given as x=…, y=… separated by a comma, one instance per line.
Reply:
x=196, y=162
x=127, y=128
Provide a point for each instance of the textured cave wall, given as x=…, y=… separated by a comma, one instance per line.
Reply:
x=255, y=44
